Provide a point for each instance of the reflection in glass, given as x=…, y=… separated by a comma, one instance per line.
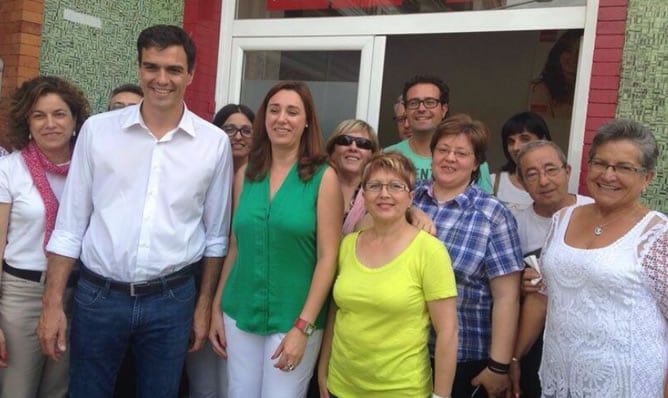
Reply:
x=247, y=9
x=332, y=77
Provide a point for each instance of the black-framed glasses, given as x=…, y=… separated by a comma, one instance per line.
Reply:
x=347, y=140
x=399, y=119
x=231, y=130
x=429, y=103
x=392, y=186
x=532, y=175
x=623, y=169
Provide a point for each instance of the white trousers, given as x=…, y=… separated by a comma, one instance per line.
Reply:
x=207, y=373
x=250, y=369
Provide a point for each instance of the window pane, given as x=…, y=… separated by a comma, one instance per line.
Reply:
x=332, y=77
x=344, y=8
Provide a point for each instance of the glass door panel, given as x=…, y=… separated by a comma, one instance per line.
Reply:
x=332, y=77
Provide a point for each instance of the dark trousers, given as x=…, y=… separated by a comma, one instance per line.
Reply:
x=467, y=371
x=529, y=381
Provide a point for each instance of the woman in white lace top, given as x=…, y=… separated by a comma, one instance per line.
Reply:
x=605, y=295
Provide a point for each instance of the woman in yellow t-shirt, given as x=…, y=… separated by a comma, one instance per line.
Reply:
x=393, y=282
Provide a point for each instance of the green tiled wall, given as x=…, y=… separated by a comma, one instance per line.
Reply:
x=100, y=59
x=644, y=83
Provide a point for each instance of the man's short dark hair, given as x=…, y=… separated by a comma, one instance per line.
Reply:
x=128, y=88
x=442, y=87
x=163, y=36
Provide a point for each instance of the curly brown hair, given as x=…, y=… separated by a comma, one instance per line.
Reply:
x=25, y=97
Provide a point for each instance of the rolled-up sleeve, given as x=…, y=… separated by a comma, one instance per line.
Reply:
x=504, y=252
x=218, y=205
x=75, y=206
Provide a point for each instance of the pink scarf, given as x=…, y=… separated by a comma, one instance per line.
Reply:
x=38, y=165
x=357, y=211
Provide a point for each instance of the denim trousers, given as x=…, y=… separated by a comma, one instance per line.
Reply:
x=156, y=328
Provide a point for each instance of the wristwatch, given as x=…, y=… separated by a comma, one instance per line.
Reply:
x=304, y=325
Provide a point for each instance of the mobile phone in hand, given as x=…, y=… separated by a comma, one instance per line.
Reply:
x=479, y=392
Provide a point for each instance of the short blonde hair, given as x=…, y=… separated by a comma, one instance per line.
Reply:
x=346, y=127
x=393, y=162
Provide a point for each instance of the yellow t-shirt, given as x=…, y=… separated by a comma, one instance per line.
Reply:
x=379, y=347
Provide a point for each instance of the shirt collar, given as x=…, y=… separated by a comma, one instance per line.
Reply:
x=463, y=199
x=134, y=118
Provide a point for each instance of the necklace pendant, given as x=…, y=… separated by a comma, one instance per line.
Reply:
x=598, y=230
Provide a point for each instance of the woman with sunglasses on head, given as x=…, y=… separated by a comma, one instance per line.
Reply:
x=394, y=281
x=604, y=299
x=236, y=120
x=349, y=146
x=45, y=114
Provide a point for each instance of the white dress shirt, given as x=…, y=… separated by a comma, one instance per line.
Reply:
x=25, y=232
x=134, y=207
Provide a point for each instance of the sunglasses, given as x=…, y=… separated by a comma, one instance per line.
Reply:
x=347, y=140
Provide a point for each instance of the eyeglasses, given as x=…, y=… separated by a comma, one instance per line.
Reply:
x=429, y=103
x=622, y=169
x=459, y=154
x=399, y=119
x=532, y=175
x=347, y=140
x=392, y=186
x=231, y=130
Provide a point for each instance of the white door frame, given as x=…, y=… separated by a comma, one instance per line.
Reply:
x=367, y=45
x=368, y=34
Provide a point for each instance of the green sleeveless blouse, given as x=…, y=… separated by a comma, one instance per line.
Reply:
x=267, y=286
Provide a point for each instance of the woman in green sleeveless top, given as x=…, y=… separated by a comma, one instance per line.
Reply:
x=282, y=256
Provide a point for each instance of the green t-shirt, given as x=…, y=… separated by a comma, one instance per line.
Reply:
x=276, y=253
x=423, y=165
x=379, y=347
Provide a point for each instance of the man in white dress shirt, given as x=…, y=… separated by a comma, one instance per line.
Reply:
x=147, y=196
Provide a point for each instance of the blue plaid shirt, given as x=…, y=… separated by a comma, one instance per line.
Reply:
x=481, y=236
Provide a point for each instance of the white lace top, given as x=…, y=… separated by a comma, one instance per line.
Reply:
x=605, y=333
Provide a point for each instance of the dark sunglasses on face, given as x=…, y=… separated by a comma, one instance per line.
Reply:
x=231, y=130
x=347, y=140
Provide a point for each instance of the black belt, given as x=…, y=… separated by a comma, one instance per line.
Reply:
x=36, y=276
x=140, y=288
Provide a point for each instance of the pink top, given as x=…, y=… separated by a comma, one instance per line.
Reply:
x=357, y=211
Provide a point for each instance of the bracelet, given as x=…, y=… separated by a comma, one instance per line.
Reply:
x=498, y=367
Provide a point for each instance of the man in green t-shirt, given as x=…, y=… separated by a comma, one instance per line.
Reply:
x=426, y=100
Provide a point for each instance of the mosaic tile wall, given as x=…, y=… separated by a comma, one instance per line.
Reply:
x=98, y=59
x=644, y=83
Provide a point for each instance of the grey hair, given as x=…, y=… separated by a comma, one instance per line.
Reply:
x=625, y=129
x=531, y=145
